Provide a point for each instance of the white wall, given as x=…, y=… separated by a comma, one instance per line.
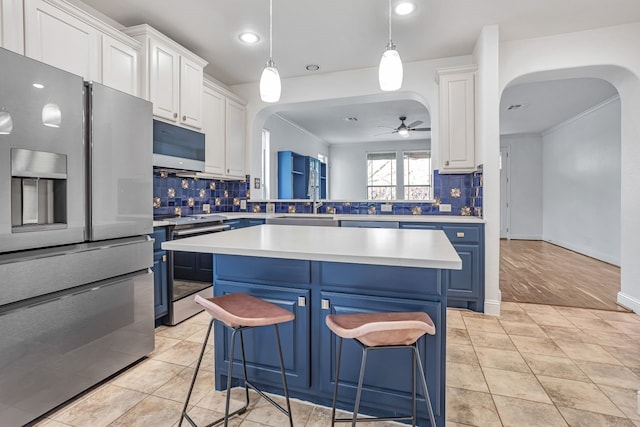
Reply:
x=581, y=200
x=348, y=165
x=611, y=54
x=525, y=157
x=286, y=136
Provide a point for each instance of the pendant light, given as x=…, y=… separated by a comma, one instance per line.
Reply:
x=270, y=80
x=390, y=70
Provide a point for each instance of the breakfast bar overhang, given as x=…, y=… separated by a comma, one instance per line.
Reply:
x=315, y=271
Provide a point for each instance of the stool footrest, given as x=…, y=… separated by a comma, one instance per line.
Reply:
x=264, y=396
x=369, y=419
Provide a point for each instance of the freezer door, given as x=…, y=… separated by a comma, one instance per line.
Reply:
x=41, y=139
x=121, y=145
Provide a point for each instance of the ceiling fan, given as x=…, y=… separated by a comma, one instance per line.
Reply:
x=404, y=129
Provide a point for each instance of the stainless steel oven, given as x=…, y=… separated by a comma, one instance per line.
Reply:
x=190, y=273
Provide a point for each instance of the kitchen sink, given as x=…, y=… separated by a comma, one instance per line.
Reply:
x=327, y=221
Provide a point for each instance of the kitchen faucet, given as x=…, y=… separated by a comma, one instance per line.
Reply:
x=313, y=189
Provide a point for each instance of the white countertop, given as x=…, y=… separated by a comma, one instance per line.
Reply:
x=393, y=247
x=349, y=217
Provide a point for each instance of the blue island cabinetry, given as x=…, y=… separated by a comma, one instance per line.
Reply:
x=160, y=294
x=314, y=289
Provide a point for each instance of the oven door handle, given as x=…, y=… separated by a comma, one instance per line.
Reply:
x=198, y=230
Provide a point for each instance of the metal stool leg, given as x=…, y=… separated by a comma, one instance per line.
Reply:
x=284, y=376
x=244, y=371
x=229, y=377
x=413, y=388
x=193, y=380
x=432, y=418
x=360, y=381
x=335, y=387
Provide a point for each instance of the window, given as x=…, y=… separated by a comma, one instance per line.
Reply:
x=381, y=176
x=417, y=175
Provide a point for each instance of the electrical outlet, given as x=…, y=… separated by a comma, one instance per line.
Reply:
x=271, y=208
x=387, y=207
x=243, y=205
x=206, y=208
x=445, y=207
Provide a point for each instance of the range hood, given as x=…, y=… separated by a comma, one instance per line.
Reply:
x=177, y=148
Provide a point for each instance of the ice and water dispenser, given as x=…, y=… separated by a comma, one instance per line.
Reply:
x=38, y=190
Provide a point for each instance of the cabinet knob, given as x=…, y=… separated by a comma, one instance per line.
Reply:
x=446, y=163
x=302, y=302
x=184, y=118
x=164, y=258
x=325, y=304
x=175, y=115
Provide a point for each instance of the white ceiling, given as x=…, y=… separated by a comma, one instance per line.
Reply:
x=351, y=34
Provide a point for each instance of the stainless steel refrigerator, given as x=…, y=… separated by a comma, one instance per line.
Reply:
x=76, y=289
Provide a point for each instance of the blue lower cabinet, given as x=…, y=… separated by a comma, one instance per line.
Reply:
x=261, y=349
x=253, y=222
x=387, y=385
x=233, y=223
x=160, y=297
x=418, y=226
x=243, y=222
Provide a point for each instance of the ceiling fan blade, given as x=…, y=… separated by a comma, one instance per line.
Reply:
x=420, y=129
x=386, y=127
x=416, y=123
x=385, y=133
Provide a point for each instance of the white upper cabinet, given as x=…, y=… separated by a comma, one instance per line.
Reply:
x=60, y=34
x=12, y=25
x=120, y=66
x=457, y=119
x=235, y=139
x=224, y=127
x=172, y=77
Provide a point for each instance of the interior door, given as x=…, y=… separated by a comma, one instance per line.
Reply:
x=505, y=192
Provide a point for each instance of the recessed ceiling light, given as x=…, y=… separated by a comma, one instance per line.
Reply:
x=515, y=107
x=249, y=38
x=38, y=85
x=312, y=67
x=405, y=8
x=351, y=119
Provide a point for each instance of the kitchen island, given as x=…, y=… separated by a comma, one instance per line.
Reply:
x=315, y=271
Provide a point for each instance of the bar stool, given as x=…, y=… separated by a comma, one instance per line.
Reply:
x=240, y=312
x=379, y=331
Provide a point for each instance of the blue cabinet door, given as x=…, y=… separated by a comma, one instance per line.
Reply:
x=465, y=284
x=390, y=393
x=263, y=365
x=160, y=298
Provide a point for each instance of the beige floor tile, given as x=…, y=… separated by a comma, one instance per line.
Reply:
x=550, y=319
x=208, y=361
x=204, y=417
x=321, y=417
x=617, y=316
x=152, y=411
x=579, y=418
x=100, y=408
x=537, y=345
x=629, y=356
x=471, y=407
x=552, y=366
x=539, y=309
x=491, y=340
x=162, y=345
x=454, y=320
x=515, y=316
x=147, y=376
x=573, y=334
x=178, y=387
x=625, y=399
x=509, y=306
x=523, y=328
x=468, y=377
x=587, y=352
x=519, y=385
x=576, y=312
x=250, y=423
x=185, y=353
x=181, y=331
x=216, y=401
x=454, y=424
x=458, y=336
x=482, y=324
x=475, y=314
x=613, y=375
x=199, y=336
x=591, y=324
x=202, y=318
x=265, y=413
x=501, y=359
x=50, y=423
x=461, y=354
x=631, y=328
x=578, y=395
x=608, y=339
x=525, y=413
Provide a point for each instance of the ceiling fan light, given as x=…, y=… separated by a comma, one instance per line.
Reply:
x=390, y=72
x=270, y=86
x=403, y=132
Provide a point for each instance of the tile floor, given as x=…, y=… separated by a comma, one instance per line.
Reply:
x=535, y=365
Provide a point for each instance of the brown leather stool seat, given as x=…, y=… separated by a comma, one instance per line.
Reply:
x=373, y=331
x=239, y=312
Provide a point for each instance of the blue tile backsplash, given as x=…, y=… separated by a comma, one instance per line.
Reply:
x=462, y=191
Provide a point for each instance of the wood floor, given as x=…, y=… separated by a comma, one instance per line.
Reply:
x=542, y=273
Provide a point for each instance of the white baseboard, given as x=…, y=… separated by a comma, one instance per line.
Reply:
x=628, y=301
x=492, y=307
x=525, y=237
x=599, y=256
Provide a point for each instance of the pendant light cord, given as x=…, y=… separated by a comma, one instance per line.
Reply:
x=271, y=28
x=389, y=20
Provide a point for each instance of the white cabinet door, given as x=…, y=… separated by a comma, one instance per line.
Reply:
x=457, y=120
x=164, y=81
x=12, y=25
x=56, y=38
x=213, y=125
x=190, y=93
x=119, y=66
x=235, y=139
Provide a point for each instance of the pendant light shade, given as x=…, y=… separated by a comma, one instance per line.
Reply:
x=390, y=72
x=270, y=86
